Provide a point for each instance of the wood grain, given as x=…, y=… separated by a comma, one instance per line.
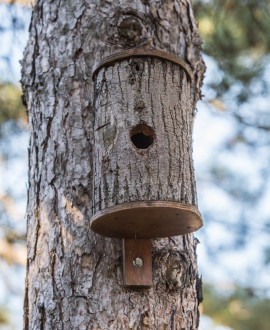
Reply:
x=147, y=219
x=133, y=276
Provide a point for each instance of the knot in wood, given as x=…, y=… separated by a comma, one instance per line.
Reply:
x=130, y=31
x=139, y=106
x=137, y=66
x=179, y=271
x=146, y=322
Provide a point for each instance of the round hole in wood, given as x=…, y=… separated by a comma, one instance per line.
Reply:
x=142, y=136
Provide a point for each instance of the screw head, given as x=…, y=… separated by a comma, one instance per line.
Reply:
x=138, y=262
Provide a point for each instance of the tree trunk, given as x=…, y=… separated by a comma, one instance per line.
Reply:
x=74, y=277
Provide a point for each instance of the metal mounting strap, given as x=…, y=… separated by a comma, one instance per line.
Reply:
x=141, y=52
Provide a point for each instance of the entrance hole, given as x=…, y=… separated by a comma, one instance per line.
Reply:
x=142, y=136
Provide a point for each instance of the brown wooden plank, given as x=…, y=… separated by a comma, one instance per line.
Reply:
x=147, y=219
x=135, y=274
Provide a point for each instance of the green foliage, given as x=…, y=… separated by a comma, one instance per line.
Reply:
x=3, y=315
x=239, y=308
x=237, y=35
x=11, y=107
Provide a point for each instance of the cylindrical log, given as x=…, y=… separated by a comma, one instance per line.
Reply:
x=142, y=148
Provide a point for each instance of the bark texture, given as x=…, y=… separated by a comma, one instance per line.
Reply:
x=74, y=277
x=132, y=96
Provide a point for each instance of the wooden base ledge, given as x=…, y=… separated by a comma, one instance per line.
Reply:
x=147, y=219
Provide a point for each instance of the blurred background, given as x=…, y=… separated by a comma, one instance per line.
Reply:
x=231, y=155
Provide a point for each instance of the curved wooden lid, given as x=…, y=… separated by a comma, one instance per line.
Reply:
x=147, y=219
x=141, y=52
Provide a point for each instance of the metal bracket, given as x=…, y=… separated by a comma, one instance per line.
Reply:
x=141, y=52
x=137, y=263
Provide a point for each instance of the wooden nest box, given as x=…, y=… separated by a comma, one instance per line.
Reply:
x=143, y=183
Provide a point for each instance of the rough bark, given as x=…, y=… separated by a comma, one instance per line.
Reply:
x=74, y=277
x=131, y=96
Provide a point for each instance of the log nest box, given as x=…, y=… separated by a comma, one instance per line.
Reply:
x=143, y=183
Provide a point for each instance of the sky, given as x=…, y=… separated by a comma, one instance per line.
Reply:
x=212, y=130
